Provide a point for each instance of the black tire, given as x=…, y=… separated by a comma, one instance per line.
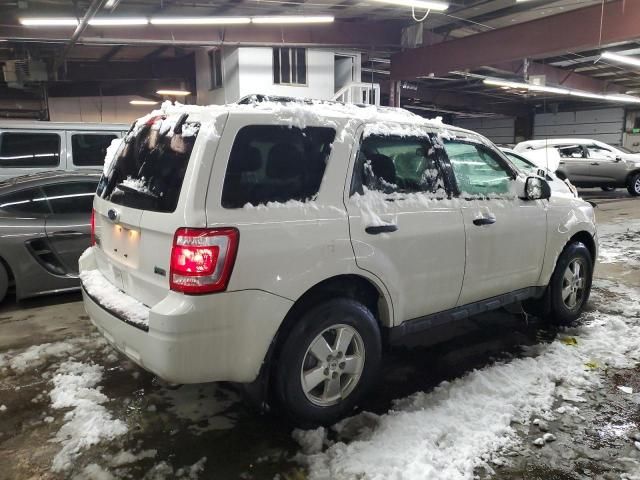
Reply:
x=4, y=282
x=608, y=189
x=292, y=399
x=561, y=312
x=633, y=185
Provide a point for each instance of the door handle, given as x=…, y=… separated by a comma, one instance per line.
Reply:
x=381, y=229
x=484, y=221
x=595, y=163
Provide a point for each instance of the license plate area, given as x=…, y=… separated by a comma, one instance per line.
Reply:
x=122, y=244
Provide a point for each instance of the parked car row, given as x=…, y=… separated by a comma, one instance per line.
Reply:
x=586, y=163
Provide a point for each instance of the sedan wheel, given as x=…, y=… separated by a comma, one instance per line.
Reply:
x=634, y=185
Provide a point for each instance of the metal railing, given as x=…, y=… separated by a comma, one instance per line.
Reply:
x=359, y=92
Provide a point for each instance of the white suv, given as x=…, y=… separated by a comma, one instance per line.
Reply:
x=283, y=243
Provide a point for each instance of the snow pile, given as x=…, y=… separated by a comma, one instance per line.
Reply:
x=38, y=355
x=89, y=422
x=139, y=184
x=112, y=151
x=465, y=424
x=113, y=299
x=125, y=457
x=311, y=441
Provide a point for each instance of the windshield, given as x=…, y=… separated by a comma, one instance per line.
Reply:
x=149, y=168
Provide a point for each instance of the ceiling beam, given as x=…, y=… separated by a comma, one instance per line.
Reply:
x=571, y=31
x=344, y=34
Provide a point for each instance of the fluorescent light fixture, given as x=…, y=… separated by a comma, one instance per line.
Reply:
x=617, y=97
x=424, y=4
x=143, y=102
x=49, y=22
x=174, y=93
x=118, y=22
x=199, y=20
x=615, y=57
x=288, y=19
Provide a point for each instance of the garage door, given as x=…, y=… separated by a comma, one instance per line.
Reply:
x=498, y=130
x=604, y=124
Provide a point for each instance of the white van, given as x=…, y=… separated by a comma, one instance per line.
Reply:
x=33, y=146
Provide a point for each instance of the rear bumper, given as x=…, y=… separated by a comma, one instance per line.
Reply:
x=195, y=339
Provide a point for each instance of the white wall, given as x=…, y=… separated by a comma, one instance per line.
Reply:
x=95, y=109
x=229, y=93
x=256, y=74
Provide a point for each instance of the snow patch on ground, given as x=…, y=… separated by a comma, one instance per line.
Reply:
x=125, y=457
x=113, y=299
x=469, y=422
x=619, y=242
x=88, y=422
x=311, y=441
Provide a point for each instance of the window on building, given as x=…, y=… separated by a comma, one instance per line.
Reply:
x=29, y=149
x=215, y=68
x=290, y=66
x=89, y=149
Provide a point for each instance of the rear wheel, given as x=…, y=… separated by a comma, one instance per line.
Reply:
x=328, y=362
x=4, y=282
x=633, y=185
x=608, y=189
x=571, y=283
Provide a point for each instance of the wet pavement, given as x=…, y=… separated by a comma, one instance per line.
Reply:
x=131, y=425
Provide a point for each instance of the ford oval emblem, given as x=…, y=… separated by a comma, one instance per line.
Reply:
x=113, y=215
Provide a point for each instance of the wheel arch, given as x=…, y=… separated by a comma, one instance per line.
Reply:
x=585, y=237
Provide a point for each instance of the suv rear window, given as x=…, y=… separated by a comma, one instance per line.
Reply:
x=149, y=168
x=272, y=163
x=29, y=149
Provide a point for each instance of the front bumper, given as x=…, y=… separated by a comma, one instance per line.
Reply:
x=196, y=339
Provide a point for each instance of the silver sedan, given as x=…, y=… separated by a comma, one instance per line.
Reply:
x=45, y=225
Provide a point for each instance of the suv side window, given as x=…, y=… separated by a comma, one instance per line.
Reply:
x=30, y=201
x=24, y=149
x=571, y=151
x=89, y=149
x=275, y=163
x=478, y=170
x=395, y=164
x=71, y=197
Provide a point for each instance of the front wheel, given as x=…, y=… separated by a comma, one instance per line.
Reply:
x=4, y=282
x=328, y=362
x=633, y=185
x=571, y=283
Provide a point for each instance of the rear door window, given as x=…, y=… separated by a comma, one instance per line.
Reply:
x=272, y=163
x=89, y=149
x=25, y=149
x=149, y=168
x=30, y=201
x=394, y=164
x=70, y=197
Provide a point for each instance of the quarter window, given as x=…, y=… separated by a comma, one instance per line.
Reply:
x=398, y=164
x=270, y=163
x=29, y=149
x=71, y=197
x=571, y=151
x=89, y=149
x=478, y=170
x=290, y=66
x=29, y=201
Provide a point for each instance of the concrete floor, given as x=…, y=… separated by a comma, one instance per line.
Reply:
x=179, y=426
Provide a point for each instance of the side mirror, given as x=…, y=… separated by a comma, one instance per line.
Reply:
x=536, y=188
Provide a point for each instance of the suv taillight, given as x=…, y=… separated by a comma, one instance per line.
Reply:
x=202, y=259
x=93, y=227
